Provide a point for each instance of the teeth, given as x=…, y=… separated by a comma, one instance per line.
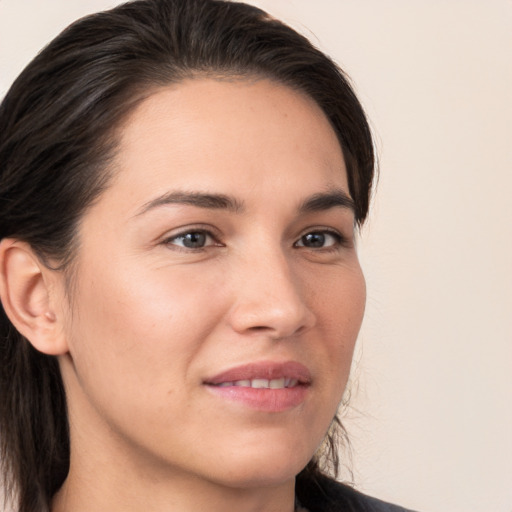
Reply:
x=259, y=383
x=276, y=383
x=262, y=383
x=244, y=383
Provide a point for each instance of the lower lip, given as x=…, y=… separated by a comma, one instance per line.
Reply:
x=263, y=399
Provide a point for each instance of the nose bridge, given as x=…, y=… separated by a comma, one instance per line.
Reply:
x=269, y=294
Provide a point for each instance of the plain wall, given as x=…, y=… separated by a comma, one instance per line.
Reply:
x=431, y=411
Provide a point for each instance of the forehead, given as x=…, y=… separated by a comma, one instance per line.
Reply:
x=206, y=134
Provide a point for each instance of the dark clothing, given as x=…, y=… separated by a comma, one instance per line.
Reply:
x=322, y=494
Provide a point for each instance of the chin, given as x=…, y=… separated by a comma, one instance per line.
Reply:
x=266, y=468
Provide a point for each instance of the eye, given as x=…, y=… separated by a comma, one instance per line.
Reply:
x=196, y=239
x=319, y=240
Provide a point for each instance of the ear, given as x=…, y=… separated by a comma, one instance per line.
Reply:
x=26, y=287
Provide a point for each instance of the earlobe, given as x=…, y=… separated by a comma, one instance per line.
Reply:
x=25, y=291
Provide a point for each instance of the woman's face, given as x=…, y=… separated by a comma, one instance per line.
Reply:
x=218, y=294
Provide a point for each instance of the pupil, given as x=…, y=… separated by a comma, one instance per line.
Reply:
x=314, y=240
x=194, y=240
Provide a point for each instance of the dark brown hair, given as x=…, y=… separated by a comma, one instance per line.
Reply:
x=57, y=136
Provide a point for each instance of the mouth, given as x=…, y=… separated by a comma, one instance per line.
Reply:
x=282, y=383
x=263, y=386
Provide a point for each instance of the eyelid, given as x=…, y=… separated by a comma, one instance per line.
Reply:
x=342, y=240
x=209, y=231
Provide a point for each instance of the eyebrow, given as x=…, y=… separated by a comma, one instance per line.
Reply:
x=198, y=199
x=315, y=203
x=327, y=200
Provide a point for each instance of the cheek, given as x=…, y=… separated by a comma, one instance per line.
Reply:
x=338, y=298
x=149, y=325
x=339, y=304
x=132, y=342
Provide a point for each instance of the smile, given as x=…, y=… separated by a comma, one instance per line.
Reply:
x=262, y=383
x=264, y=386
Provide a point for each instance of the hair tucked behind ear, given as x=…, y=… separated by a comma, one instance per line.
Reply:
x=58, y=135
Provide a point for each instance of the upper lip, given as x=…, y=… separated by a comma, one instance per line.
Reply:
x=263, y=370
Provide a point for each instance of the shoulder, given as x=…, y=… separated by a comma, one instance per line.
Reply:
x=362, y=502
x=323, y=494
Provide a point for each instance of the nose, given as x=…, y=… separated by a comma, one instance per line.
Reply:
x=269, y=298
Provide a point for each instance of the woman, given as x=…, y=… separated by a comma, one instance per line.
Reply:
x=180, y=188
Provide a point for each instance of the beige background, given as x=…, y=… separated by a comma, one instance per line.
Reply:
x=431, y=415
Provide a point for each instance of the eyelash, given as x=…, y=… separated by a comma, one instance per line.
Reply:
x=199, y=231
x=339, y=240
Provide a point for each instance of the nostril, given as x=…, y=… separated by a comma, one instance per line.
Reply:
x=263, y=330
x=277, y=333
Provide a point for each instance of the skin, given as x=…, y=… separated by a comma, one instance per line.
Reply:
x=151, y=319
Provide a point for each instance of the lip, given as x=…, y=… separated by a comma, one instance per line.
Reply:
x=263, y=370
x=262, y=399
